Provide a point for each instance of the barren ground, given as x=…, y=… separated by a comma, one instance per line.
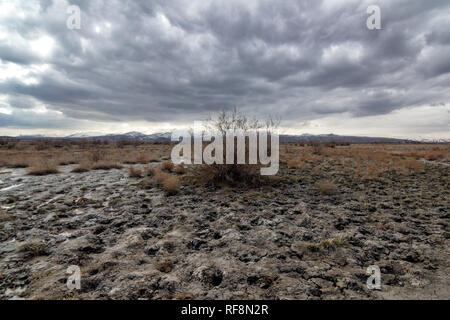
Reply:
x=283, y=241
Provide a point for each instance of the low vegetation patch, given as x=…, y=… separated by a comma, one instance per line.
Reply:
x=17, y=162
x=135, y=172
x=42, y=167
x=150, y=171
x=32, y=249
x=326, y=187
x=232, y=175
x=106, y=165
x=328, y=245
x=167, y=166
x=164, y=266
x=82, y=167
x=143, y=158
x=180, y=169
x=4, y=217
x=160, y=176
x=171, y=185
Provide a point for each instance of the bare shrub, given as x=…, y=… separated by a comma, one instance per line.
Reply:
x=234, y=174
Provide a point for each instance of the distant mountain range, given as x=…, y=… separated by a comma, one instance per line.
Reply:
x=165, y=137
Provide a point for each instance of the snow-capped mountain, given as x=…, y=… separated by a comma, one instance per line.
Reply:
x=430, y=140
x=305, y=137
x=134, y=134
x=164, y=135
x=32, y=136
x=84, y=135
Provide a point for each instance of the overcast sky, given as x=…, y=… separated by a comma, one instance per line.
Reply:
x=156, y=65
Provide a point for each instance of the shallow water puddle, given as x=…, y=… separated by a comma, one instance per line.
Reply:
x=11, y=187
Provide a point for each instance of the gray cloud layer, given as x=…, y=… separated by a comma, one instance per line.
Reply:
x=171, y=60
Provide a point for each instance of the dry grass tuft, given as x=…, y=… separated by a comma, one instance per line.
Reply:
x=143, y=158
x=167, y=166
x=413, y=165
x=42, y=167
x=65, y=160
x=326, y=187
x=292, y=164
x=135, y=172
x=318, y=149
x=184, y=296
x=97, y=155
x=150, y=172
x=171, y=185
x=106, y=165
x=17, y=161
x=180, y=169
x=32, y=249
x=160, y=176
x=147, y=183
x=298, y=163
x=164, y=266
x=82, y=167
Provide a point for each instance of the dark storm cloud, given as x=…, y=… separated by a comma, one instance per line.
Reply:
x=24, y=120
x=179, y=60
